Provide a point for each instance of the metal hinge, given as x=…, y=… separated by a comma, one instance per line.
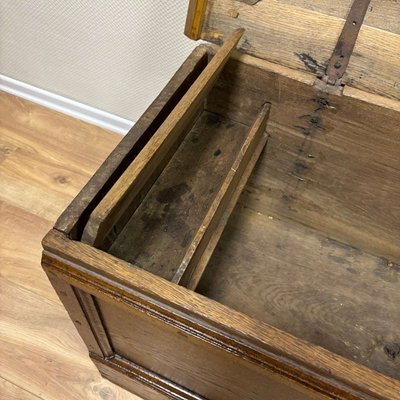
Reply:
x=344, y=47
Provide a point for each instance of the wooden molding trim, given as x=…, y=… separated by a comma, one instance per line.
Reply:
x=68, y=296
x=252, y=340
x=195, y=18
x=124, y=370
x=92, y=312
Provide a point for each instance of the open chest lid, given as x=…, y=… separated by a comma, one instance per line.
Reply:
x=345, y=42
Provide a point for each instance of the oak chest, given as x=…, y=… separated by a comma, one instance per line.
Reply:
x=242, y=241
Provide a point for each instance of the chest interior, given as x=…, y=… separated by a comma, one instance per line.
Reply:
x=311, y=246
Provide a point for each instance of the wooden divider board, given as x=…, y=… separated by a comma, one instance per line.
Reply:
x=142, y=169
x=208, y=234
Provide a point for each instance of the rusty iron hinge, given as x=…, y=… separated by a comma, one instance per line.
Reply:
x=344, y=47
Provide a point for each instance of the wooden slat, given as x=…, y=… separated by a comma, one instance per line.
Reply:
x=74, y=217
x=136, y=176
x=189, y=198
x=160, y=231
x=291, y=34
x=206, y=237
x=215, y=236
x=89, y=307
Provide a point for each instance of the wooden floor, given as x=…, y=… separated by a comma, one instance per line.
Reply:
x=45, y=158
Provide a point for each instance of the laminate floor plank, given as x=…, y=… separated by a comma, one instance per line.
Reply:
x=20, y=259
x=14, y=392
x=40, y=350
x=45, y=159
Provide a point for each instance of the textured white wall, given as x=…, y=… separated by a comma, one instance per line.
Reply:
x=115, y=55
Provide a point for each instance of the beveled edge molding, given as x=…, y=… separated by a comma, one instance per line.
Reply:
x=308, y=375
x=124, y=367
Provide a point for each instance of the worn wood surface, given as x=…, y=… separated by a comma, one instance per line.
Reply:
x=154, y=156
x=129, y=381
x=302, y=34
x=332, y=162
x=75, y=216
x=209, y=371
x=204, y=241
x=161, y=230
x=323, y=291
x=170, y=231
x=311, y=117
x=383, y=14
x=45, y=158
x=194, y=315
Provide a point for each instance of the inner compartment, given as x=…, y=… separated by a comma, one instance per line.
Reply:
x=158, y=234
x=167, y=210
x=312, y=246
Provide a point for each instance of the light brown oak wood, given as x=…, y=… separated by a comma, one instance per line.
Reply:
x=45, y=159
x=302, y=34
x=211, y=321
x=149, y=163
x=14, y=392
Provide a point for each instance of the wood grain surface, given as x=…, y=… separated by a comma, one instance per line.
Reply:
x=154, y=156
x=75, y=216
x=161, y=230
x=45, y=159
x=332, y=162
x=320, y=290
x=170, y=231
x=302, y=34
x=136, y=290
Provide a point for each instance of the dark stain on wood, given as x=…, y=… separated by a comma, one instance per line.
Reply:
x=316, y=288
x=217, y=152
x=159, y=232
x=245, y=46
x=392, y=350
x=388, y=271
x=311, y=63
x=173, y=193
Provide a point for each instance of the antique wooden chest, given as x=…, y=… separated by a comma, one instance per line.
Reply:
x=242, y=241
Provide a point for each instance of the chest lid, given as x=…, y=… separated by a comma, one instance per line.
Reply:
x=346, y=42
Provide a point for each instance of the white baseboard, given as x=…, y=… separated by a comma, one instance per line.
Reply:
x=65, y=105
